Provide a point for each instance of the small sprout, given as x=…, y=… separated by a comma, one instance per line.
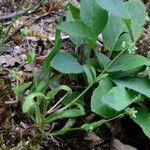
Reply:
x=14, y=73
x=31, y=57
x=25, y=31
x=131, y=112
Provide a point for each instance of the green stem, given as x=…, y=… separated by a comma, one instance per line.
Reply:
x=80, y=128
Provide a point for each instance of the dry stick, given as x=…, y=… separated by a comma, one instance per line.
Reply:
x=51, y=110
x=27, y=22
x=27, y=11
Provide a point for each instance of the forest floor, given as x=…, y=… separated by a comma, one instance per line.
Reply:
x=17, y=131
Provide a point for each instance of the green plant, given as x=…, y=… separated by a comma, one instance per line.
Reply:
x=120, y=72
x=17, y=87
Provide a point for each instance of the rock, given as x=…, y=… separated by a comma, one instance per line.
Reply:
x=117, y=145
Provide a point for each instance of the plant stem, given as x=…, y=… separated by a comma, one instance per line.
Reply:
x=80, y=128
x=54, y=107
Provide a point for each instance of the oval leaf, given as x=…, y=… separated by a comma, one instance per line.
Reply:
x=137, y=84
x=66, y=63
x=93, y=16
x=78, y=29
x=115, y=7
x=127, y=62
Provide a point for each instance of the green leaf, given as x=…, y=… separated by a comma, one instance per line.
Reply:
x=31, y=57
x=140, y=85
x=78, y=28
x=90, y=73
x=74, y=9
x=66, y=63
x=71, y=97
x=115, y=7
x=117, y=26
x=132, y=72
x=118, y=98
x=66, y=128
x=46, y=65
x=112, y=31
x=127, y=62
x=77, y=40
x=54, y=91
x=97, y=105
x=19, y=90
x=93, y=16
x=29, y=101
x=138, y=16
x=143, y=119
x=103, y=60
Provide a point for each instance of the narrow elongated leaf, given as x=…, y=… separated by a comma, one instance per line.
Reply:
x=137, y=84
x=127, y=62
x=143, y=119
x=78, y=28
x=29, y=101
x=93, y=16
x=115, y=7
x=71, y=113
x=97, y=105
x=46, y=66
x=66, y=63
x=90, y=73
x=118, y=98
x=54, y=91
x=19, y=90
x=66, y=128
x=75, y=11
